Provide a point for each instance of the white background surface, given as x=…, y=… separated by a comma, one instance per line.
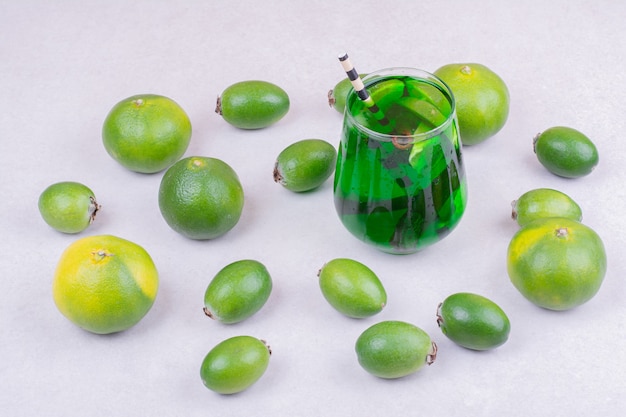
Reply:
x=63, y=66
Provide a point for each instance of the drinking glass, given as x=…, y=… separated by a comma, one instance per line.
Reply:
x=401, y=186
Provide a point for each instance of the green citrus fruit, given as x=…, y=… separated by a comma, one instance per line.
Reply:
x=235, y=364
x=252, y=104
x=482, y=100
x=305, y=165
x=352, y=288
x=544, y=202
x=105, y=284
x=473, y=321
x=69, y=207
x=237, y=291
x=556, y=263
x=565, y=152
x=393, y=349
x=146, y=133
x=200, y=197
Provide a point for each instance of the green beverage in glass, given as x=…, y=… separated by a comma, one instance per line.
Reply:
x=400, y=186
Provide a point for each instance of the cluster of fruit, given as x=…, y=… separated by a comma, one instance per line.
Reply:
x=150, y=133
x=393, y=349
x=388, y=349
x=106, y=284
x=554, y=260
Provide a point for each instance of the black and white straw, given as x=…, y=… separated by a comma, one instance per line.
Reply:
x=361, y=92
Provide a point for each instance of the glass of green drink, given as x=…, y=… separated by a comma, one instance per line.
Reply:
x=400, y=186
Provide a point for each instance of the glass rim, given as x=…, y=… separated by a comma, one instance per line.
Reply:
x=416, y=137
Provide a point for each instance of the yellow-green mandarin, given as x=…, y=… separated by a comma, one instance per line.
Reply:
x=556, y=263
x=146, y=133
x=482, y=100
x=105, y=284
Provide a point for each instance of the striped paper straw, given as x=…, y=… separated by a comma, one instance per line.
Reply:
x=361, y=92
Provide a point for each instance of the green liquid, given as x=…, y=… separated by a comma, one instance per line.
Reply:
x=400, y=197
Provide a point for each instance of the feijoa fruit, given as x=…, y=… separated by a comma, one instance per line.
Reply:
x=305, y=165
x=393, y=349
x=252, y=104
x=473, y=321
x=237, y=291
x=544, y=202
x=68, y=206
x=235, y=364
x=566, y=152
x=352, y=288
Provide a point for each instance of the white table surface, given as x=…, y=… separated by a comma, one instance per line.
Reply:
x=64, y=65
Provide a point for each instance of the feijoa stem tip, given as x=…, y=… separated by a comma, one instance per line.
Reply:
x=218, y=105
x=535, y=139
x=94, y=207
x=269, y=348
x=438, y=315
x=331, y=98
x=208, y=313
x=513, y=211
x=432, y=356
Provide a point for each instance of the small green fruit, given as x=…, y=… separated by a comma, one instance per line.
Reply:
x=200, y=197
x=69, y=207
x=473, y=321
x=235, y=364
x=305, y=165
x=352, y=288
x=238, y=291
x=557, y=263
x=565, y=152
x=339, y=93
x=146, y=132
x=393, y=349
x=482, y=100
x=544, y=202
x=252, y=104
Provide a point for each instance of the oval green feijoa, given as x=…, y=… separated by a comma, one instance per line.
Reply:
x=338, y=94
x=237, y=291
x=69, y=207
x=565, y=152
x=544, y=202
x=252, y=104
x=305, y=165
x=352, y=288
x=393, y=349
x=473, y=321
x=234, y=364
